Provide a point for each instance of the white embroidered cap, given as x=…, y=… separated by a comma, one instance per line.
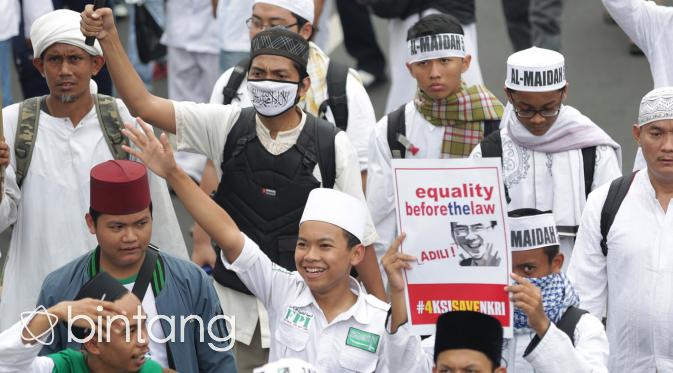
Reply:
x=287, y=365
x=303, y=8
x=532, y=229
x=656, y=105
x=60, y=26
x=430, y=47
x=536, y=70
x=337, y=208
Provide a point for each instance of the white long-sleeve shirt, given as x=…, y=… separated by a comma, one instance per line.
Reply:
x=380, y=193
x=529, y=179
x=555, y=352
x=355, y=340
x=633, y=281
x=361, y=117
x=190, y=25
x=649, y=26
x=48, y=211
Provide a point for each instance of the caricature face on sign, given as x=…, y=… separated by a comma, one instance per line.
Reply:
x=474, y=240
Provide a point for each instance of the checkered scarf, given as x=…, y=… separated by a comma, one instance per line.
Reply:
x=557, y=295
x=462, y=115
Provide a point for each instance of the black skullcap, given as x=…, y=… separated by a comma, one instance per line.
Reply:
x=102, y=286
x=279, y=41
x=471, y=331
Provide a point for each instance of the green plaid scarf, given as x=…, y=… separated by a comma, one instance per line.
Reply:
x=462, y=115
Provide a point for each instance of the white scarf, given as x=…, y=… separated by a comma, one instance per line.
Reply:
x=565, y=140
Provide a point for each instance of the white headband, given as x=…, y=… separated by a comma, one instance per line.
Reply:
x=60, y=26
x=656, y=105
x=536, y=70
x=435, y=46
x=532, y=232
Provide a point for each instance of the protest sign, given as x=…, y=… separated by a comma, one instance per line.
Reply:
x=455, y=217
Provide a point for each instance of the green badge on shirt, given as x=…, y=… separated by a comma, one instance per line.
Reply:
x=363, y=340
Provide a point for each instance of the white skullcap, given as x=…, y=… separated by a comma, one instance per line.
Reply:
x=535, y=70
x=287, y=365
x=60, y=26
x=656, y=105
x=533, y=230
x=338, y=208
x=303, y=8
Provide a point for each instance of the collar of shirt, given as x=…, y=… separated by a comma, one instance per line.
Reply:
x=358, y=311
x=284, y=139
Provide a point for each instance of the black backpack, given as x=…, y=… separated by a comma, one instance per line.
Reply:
x=491, y=147
x=616, y=194
x=397, y=130
x=337, y=100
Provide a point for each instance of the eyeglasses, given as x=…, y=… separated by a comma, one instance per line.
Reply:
x=464, y=230
x=546, y=113
x=256, y=23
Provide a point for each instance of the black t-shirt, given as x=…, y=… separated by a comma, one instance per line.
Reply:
x=461, y=9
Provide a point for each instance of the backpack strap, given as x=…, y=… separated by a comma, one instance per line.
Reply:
x=491, y=126
x=24, y=141
x=491, y=147
x=337, y=99
x=589, y=161
x=616, y=194
x=567, y=324
x=397, y=127
x=325, y=134
x=111, y=125
x=230, y=90
x=240, y=134
x=145, y=273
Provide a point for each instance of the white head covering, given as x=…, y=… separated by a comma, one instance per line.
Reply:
x=656, y=105
x=429, y=47
x=533, y=230
x=287, y=365
x=338, y=208
x=303, y=8
x=536, y=70
x=60, y=26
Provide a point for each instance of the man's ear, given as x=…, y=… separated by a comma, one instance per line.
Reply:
x=304, y=86
x=358, y=254
x=92, y=346
x=306, y=31
x=90, y=223
x=635, y=131
x=39, y=65
x=557, y=263
x=500, y=370
x=467, y=60
x=97, y=64
x=565, y=92
x=411, y=72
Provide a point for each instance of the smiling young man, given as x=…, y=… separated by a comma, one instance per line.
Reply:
x=553, y=156
x=54, y=141
x=318, y=313
x=171, y=289
x=446, y=119
x=122, y=346
x=269, y=156
x=626, y=269
x=470, y=238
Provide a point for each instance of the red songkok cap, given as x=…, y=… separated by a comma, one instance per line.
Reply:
x=119, y=187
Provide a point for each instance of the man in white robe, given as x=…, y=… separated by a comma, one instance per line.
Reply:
x=542, y=142
x=47, y=209
x=633, y=279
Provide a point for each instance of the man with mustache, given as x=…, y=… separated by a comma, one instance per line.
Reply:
x=45, y=194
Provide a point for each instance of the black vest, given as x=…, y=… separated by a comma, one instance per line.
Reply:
x=265, y=194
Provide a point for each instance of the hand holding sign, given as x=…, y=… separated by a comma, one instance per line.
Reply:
x=528, y=298
x=394, y=261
